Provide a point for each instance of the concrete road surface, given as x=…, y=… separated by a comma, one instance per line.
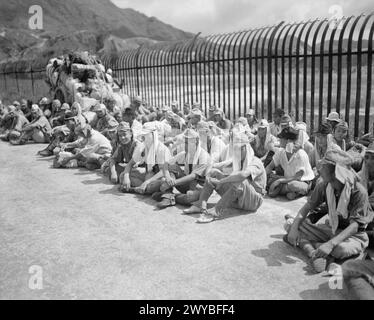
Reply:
x=81, y=239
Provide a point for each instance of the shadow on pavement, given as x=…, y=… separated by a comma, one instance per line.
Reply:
x=324, y=292
x=279, y=253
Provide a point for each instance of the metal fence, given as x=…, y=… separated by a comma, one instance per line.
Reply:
x=308, y=68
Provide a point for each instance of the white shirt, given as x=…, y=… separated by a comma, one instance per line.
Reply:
x=299, y=161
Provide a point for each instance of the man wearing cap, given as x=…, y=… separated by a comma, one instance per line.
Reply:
x=349, y=214
x=240, y=181
x=339, y=139
x=123, y=153
x=298, y=173
x=194, y=118
x=143, y=115
x=62, y=136
x=58, y=117
x=18, y=122
x=333, y=119
x=154, y=155
x=184, y=172
x=105, y=122
x=39, y=129
x=264, y=143
x=45, y=106
x=220, y=120
x=96, y=149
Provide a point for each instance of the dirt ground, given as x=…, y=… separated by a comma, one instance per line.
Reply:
x=94, y=243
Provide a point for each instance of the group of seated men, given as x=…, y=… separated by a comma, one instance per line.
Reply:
x=181, y=156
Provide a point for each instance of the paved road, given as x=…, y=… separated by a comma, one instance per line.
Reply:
x=95, y=243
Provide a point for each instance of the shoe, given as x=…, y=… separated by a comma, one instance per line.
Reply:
x=168, y=200
x=124, y=190
x=192, y=210
x=285, y=239
x=319, y=265
x=45, y=153
x=205, y=219
x=157, y=196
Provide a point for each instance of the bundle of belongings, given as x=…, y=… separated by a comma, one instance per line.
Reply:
x=82, y=78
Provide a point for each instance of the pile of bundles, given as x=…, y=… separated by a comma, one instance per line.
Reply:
x=80, y=77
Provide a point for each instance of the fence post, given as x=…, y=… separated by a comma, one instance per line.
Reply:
x=137, y=70
x=191, y=63
x=270, y=56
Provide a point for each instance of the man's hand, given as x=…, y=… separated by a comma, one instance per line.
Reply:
x=324, y=250
x=213, y=182
x=294, y=236
x=170, y=181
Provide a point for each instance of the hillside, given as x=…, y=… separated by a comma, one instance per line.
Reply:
x=75, y=24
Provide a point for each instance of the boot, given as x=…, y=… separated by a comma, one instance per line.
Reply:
x=47, y=152
x=168, y=200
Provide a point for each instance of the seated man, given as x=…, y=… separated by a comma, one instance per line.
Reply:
x=175, y=108
x=45, y=106
x=26, y=110
x=154, y=155
x=19, y=121
x=303, y=139
x=143, y=114
x=39, y=129
x=210, y=142
x=186, y=110
x=349, y=214
x=264, y=143
x=333, y=119
x=6, y=120
x=124, y=152
x=252, y=120
x=61, y=136
x=105, y=121
x=194, y=118
x=298, y=173
x=130, y=117
x=195, y=162
x=58, y=117
x=240, y=181
x=275, y=127
x=219, y=118
x=96, y=149
x=337, y=140
x=320, y=145
x=367, y=180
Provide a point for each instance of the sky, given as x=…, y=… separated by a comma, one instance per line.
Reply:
x=220, y=16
